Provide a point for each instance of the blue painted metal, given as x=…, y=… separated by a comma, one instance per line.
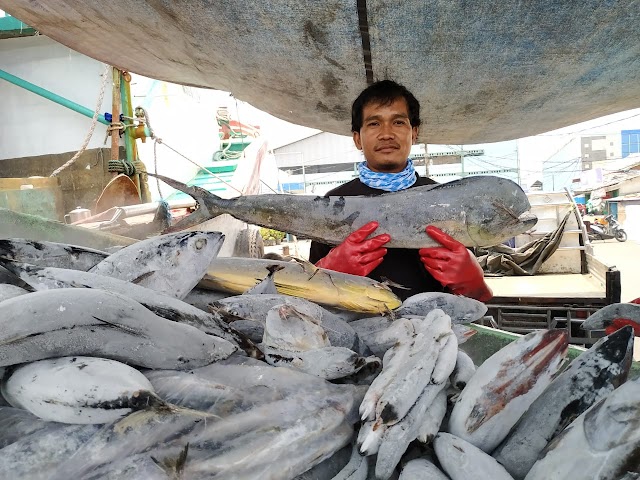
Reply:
x=54, y=97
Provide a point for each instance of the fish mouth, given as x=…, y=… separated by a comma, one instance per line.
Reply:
x=528, y=219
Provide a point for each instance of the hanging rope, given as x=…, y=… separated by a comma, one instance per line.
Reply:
x=94, y=122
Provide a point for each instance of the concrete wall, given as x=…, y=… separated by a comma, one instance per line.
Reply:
x=31, y=125
x=81, y=183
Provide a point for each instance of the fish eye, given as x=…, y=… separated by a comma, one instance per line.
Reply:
x=200, y=243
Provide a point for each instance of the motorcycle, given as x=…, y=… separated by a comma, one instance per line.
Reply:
x=612, y=230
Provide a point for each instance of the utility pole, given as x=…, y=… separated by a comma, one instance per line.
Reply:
x=462, y=159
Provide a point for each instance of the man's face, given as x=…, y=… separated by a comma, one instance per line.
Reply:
x=386, y=136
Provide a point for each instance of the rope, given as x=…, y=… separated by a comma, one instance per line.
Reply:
x=129, y=168
x=94, y=122
x=156, y=141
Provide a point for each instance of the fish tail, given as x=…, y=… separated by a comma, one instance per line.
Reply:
x=209, y=205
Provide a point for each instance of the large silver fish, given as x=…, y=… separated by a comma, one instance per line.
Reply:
x=165, y=306
x=505, y=385
x=589, y=378
x=477, y=211
x=171, y=264
x=83, y=321
x=50, y=254
x=601, y=444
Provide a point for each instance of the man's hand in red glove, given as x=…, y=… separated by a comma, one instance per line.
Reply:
x=454, y=266
x=357, y=255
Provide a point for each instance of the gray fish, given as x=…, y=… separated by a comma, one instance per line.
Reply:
x=16, y=423
x=463, y=461
x=421, y=469
x=9, y=291
x=251, y=329
x=605, y=316
x=171, y=264
x=601, y=444
x=589, y=378
x=82, y=321
x=51, y=254
x=328, y=362
x=201, y=298
x=165, y=306
x=476, y=211
x=36, y=456
x=460, y=309
x=256, y=308
x=330, y=467
x=356, y=469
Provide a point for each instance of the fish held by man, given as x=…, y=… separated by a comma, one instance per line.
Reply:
x=476, y=211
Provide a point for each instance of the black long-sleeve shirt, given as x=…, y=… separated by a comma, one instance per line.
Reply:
x=400, y=265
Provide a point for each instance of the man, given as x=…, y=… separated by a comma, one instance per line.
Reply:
x=384, y=121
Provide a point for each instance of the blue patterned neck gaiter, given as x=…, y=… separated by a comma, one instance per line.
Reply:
x=389, y=182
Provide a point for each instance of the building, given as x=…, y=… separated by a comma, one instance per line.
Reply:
x=322, y=161
x=618, y=193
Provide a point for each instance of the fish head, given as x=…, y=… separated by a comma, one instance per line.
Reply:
x=614, y=316
x=197, y=246
x=500, y=215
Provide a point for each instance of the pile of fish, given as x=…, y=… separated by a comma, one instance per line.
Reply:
x=128, y=366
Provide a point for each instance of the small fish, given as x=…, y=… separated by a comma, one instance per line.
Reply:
x=170, y=264
x=505, y=385
x=460, y=309
x=590, y=377
x=81, y=390
x=463, y=372
x=455, y=207
x=293, y=329
x=50, y=254
x=462, y=461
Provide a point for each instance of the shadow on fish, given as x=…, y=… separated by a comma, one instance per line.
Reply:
x=477, y=211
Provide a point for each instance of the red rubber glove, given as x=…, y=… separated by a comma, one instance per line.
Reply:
x=454, y=266
x=357, y=255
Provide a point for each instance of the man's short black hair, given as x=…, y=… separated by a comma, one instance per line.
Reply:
x=384, y=92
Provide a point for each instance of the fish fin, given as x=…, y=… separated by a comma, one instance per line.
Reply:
x=307, y=266
x=173, y=467
x=206, y=203
x=217, y=308
x=391, y=283
x=274, y=268
x=143, y=277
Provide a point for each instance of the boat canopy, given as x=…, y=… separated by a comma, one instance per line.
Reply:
x=483, y=71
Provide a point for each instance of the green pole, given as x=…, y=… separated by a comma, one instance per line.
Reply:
x=65, y=102
x=128, y=112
